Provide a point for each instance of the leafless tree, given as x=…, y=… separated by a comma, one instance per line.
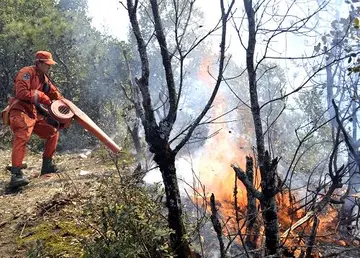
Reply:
x=157, y=133
x=267, y=22
x=342, y=90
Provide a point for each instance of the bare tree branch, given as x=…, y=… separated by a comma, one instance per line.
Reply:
x=167, y=124
x=225, y=15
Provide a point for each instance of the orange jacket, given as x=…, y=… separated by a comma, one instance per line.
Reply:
x=30, y=88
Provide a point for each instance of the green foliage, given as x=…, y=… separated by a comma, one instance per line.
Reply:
x=116, y=218
x=130, y=226
x=90, y=65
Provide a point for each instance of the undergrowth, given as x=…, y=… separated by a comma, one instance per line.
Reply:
x=118, y=219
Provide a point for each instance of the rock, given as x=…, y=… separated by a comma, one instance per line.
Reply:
x=84, y=172
x=82, y=155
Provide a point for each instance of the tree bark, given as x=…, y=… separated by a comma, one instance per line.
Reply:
x=165, y=158
x=267, y=167
x=252, y=223
x=268, y=204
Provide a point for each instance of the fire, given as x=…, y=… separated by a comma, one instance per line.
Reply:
x=219, y=152
x=222, y=149
x=226, y=148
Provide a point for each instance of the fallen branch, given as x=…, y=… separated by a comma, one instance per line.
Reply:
x=308, y=216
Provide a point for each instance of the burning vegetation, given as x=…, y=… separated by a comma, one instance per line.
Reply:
x=300, y=226
x=307, y=220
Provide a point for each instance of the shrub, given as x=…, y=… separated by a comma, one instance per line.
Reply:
x=131, y=225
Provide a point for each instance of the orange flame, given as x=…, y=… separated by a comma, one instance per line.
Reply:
x=221, y=150
x=226, y=148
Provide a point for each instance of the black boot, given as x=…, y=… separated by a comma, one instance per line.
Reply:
x=17, y=178
x=48, y=167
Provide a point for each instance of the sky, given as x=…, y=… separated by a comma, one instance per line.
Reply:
x=110, y=16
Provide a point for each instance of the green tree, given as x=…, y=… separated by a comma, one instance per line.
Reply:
x=90, y=65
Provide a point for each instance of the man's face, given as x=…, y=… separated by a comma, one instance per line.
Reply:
x=44, y=68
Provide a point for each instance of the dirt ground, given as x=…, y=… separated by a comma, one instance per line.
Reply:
x=44, y=195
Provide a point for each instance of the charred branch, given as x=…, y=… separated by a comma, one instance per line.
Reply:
x=250, y=51
x=312, y=237
x=238, y=219
x=179, y=36
x=345, y=134
x=268, y=183
x=245, y=180
x=252, y=223
x=336, y=183
x=217, y=226
x=148, y=120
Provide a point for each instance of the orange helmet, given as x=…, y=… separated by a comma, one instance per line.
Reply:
x=45, y=57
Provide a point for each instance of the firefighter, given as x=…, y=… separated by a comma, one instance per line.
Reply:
x=32, y=87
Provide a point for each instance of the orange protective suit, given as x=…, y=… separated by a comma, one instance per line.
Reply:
x=31, y=87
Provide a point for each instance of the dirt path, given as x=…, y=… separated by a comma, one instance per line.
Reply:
x=18, y=211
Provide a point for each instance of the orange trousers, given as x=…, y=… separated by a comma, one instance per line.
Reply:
x=23, y=126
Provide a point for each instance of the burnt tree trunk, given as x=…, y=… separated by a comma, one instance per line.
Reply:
x=157, y=137
x=165, y=158
x=252, y=223
x=312, y=238
x=267, y=167
x=268, y=204
x=267, y=201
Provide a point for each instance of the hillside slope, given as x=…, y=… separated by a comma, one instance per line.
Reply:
x=45, y=197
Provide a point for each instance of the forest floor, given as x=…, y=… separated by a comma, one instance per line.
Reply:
x=50, y=207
